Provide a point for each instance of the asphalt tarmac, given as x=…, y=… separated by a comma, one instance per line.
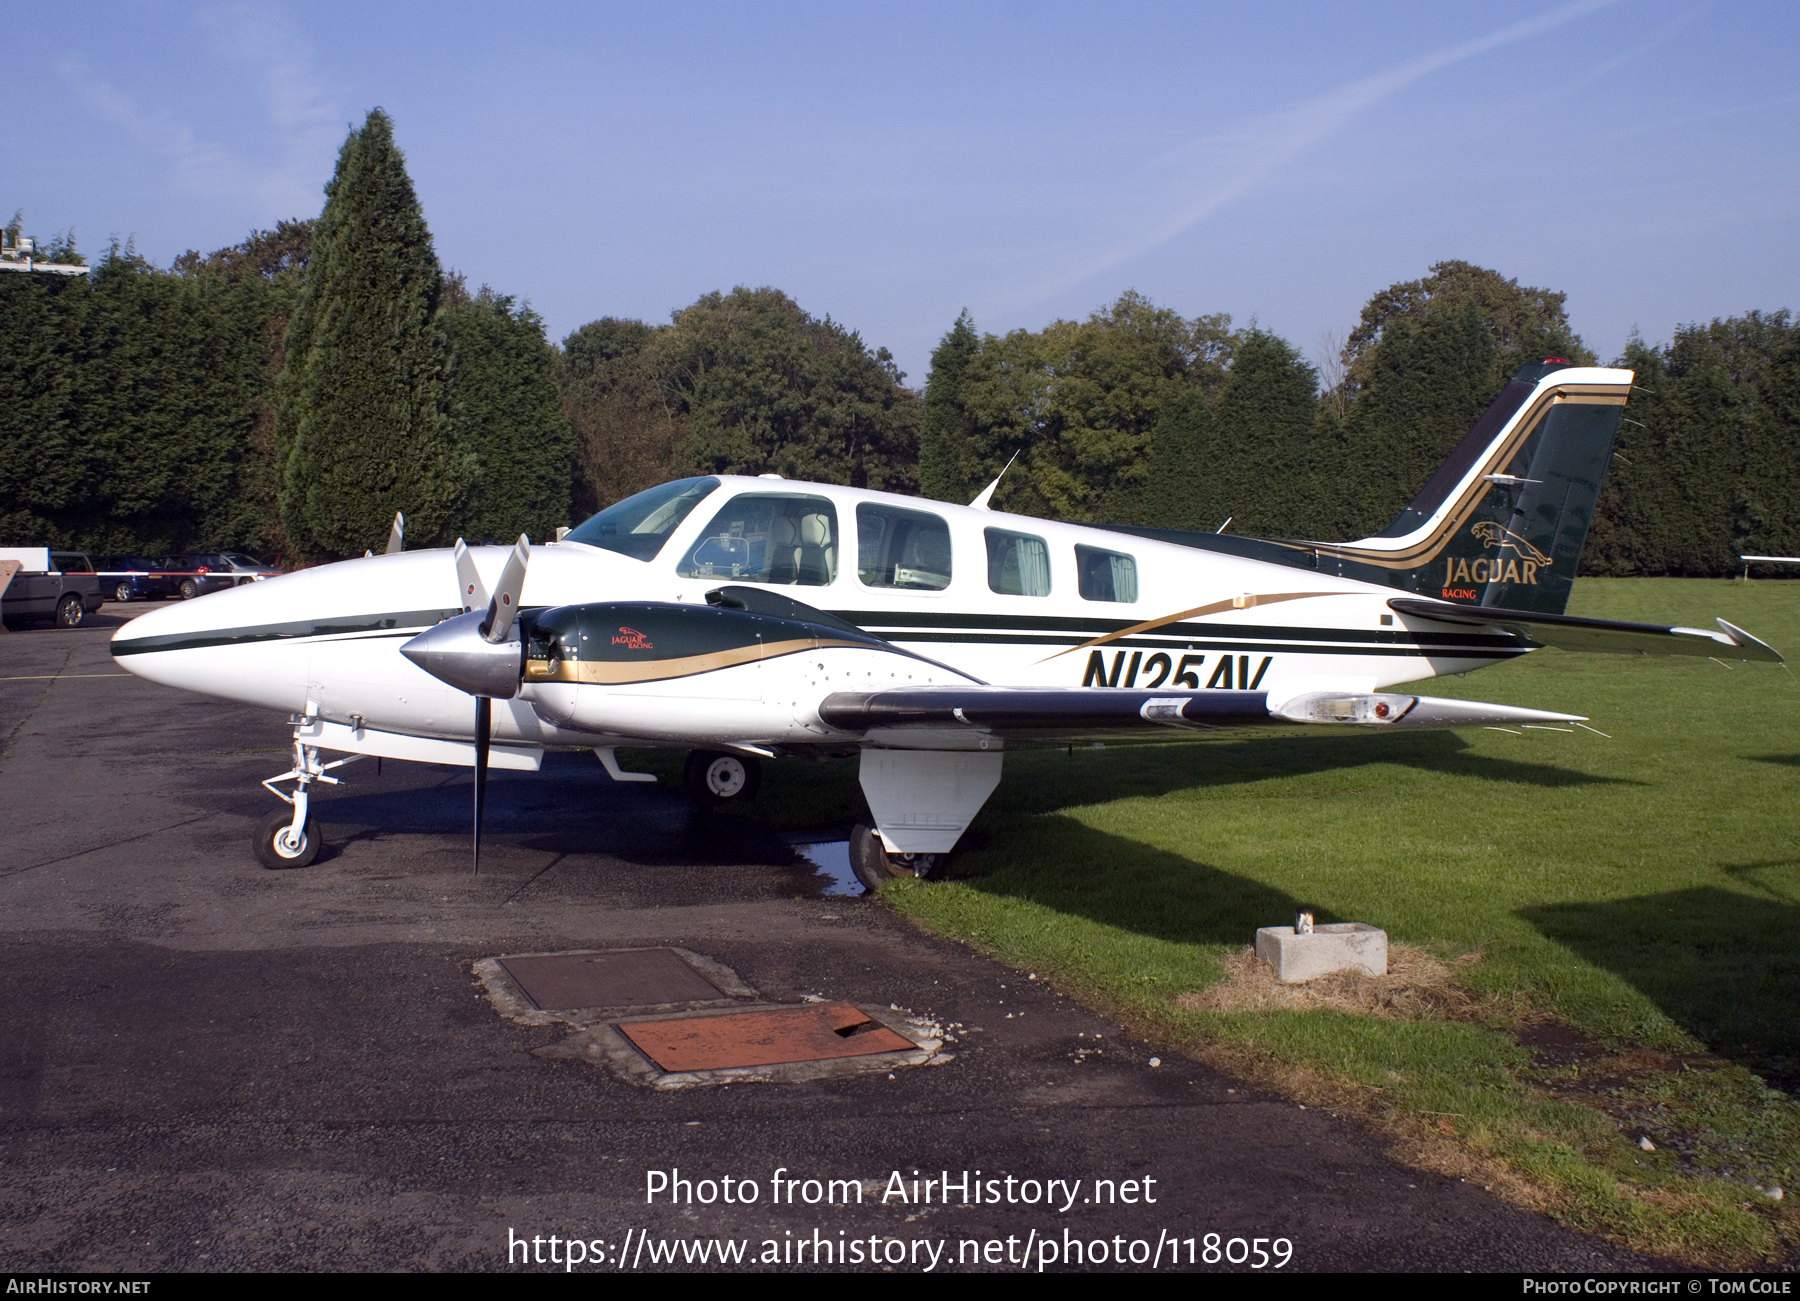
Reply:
x=209, y=1066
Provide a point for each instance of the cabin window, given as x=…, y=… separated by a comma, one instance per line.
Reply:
x=1106, y=575
x=639, y=525
x=1018, y=564
x=902, y=548
x=768, y=537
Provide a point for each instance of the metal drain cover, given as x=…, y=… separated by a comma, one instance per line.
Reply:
x=632, y=978
x=816, y=1032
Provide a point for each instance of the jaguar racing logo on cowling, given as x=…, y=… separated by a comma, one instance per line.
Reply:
x=1520, y=567
x=632, y=639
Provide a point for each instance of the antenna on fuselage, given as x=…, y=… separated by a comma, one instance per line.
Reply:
x=986, y=495
x=397, y=534
x=1221, y=527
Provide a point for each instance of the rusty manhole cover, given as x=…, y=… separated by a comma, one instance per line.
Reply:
x=817, y=1032
x=634, y=978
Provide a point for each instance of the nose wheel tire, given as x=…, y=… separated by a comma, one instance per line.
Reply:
x=874, y=865
x=69, y=612
x=710, y=777
x=276, y=848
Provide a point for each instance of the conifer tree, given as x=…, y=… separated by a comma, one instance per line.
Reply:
x=43, y=469
x=1427, y=383
x=509, y=419
x=946, y=427
x=1265, y=416
x=1190, y=482
x=363, y=428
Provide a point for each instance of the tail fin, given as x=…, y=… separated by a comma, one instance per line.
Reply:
x=1502, y=521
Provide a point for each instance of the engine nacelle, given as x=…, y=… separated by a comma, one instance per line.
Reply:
x=679, y=673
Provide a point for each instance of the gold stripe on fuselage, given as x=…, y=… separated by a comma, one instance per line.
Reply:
x=621, y=672
x=1244, y=602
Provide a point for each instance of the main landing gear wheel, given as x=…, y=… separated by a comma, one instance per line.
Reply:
x=710, y=777
x=276, y=848
x=873, y=865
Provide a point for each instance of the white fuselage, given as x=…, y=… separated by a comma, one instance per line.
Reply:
x=331, y=636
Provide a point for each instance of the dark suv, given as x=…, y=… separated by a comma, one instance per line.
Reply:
x=198, y=573
x=64, y=592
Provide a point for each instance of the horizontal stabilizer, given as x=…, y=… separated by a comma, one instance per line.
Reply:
x=1609, y=636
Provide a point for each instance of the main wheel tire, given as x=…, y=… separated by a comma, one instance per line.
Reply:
x=122, y=593
x=70, y=612
x=189, y=589
x=276, y=852
x=874, y=866
x=710, y=777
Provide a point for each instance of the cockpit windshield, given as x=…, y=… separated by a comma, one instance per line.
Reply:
x=639, y=525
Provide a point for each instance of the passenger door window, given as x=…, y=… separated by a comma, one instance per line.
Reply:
x=1105, y=575
x=902, y=548
x=1018, y=564
x=768, y=537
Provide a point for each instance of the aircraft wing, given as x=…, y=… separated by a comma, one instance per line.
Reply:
x=1567, y=632
x=1064, y=715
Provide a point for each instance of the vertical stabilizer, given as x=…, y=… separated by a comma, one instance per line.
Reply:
x=1502, y=522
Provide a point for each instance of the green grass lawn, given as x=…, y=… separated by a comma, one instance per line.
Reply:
x=1642, y=890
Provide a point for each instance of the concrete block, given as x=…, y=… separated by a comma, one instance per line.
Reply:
x=1334, y=946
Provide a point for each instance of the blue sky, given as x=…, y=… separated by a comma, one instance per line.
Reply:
x=891, y=165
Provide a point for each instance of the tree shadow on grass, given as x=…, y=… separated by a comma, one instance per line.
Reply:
x=1723, y=966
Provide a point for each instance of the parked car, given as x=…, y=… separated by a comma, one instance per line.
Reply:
x=135, y=578
x=200, y=572
x=51, y=586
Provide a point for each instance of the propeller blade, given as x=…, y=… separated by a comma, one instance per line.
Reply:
x=396, y=535
x=503, y=607
x=471, y=591
x=484, y=726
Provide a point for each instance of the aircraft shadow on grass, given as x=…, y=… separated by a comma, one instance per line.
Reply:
x=572, y=807
x=1723, y=966
x=1134, y=887
x=1147, y=771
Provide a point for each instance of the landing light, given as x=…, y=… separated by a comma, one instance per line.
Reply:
x=1331, y=707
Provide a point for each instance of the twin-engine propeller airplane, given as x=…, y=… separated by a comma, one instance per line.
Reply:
x=745, y=619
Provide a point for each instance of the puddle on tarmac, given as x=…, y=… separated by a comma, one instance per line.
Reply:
x=832, y=857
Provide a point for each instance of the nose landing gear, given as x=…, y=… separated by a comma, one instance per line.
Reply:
x=292, y=840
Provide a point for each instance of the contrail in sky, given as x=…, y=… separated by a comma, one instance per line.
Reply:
x=1262, y=145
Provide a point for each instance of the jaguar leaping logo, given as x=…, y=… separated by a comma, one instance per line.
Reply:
x=1493, y=535
x=632, y=639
